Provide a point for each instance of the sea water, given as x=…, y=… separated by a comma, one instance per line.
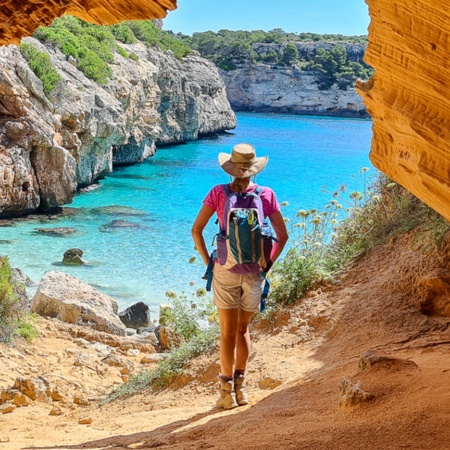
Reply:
x=155, y=203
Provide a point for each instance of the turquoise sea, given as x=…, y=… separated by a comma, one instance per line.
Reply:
x=161, y=197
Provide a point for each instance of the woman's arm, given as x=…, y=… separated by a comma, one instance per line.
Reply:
x=200, y=223
x=277, y=221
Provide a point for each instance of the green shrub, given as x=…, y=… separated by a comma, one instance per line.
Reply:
x=14, y=320
x=41, y=65
x=290, y=54
x=133, y=56
x=188, y=317
x=26, y=328
x=168, y=369
x=122, y=52
x=92, y=46
x=150, y=35
x=332, y=66
x=192, y=319
x=123, y=33
x=227, y=49
x=323, y=242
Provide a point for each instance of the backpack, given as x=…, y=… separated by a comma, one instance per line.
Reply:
x=244, y=241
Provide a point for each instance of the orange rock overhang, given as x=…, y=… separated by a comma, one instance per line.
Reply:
x=408, y=98
x=19, y=18
x=409, y=95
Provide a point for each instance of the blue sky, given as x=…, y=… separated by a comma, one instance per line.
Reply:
x=349, y=17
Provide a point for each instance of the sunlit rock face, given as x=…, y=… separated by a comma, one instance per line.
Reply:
x=409, y=96
x=50, y=145
x=19, y=18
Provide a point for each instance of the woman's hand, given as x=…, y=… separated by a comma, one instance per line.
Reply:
x=199, y=225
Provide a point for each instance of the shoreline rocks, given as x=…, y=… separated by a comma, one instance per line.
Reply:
x=52, y=145
x=265, y=88
x=136, y=316
x=68, y=298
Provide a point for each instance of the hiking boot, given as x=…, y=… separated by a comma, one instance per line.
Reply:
x=240, y=390
x=227, y=399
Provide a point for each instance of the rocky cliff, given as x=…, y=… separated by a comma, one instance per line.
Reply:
x=266, y=88
x=50, y=145
x=408, y=98
x=292, y=89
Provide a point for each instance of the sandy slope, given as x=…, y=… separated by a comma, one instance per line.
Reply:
x=299, y=359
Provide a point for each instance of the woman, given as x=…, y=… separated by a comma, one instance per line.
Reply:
x=237, y=296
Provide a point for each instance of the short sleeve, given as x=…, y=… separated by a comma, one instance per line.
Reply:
x=212, y=198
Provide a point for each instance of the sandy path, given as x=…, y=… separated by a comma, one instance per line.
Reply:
x=300, y=357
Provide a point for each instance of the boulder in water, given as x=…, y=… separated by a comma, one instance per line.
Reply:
x=60, y=231
x=118, y=210
x=73, y=256
x=118, y=224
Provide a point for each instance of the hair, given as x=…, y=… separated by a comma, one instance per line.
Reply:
x=240, y=184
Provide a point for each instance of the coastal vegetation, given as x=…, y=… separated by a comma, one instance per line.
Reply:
x=94, y=47
x=40, y=63
x=193, y=319
x=322, y=244
x=330, y=62
x=15, y=319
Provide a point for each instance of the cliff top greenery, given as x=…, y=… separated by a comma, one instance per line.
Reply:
x=95, y=47
x=328, y=57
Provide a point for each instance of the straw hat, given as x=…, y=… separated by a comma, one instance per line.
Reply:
x=242, y=163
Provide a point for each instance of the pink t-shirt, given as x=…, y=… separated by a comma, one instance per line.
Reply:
x=216, y=200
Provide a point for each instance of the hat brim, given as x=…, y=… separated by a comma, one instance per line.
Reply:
x=239, y=172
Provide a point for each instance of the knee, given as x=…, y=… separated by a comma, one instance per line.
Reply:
x=242, y=328
x=228, y=332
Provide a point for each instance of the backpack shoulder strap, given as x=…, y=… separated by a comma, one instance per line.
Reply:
x=259, y=190
x=226, y=188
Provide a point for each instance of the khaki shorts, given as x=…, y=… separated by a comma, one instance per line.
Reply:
x=233, y=291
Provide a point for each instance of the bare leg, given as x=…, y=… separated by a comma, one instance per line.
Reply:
x=229, y=321
x=243, y=344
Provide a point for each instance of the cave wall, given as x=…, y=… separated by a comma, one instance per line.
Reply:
x=19, y=18
x=409, y=95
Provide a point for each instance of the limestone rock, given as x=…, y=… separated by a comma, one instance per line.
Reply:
x=20, y=282
x=33, y=388
x=85, y=421
x=50, y=146
x=118, y=361
x=8, y=409
x=62, y=295
x=373, y=358
x=81, y=400
x=167, y=337
x=408, y=99
x=266, y=88
x=19, y=19
x=352, y=395
x=154, y=358
x=55, y=411
x=434, y=293
x=136, y=316
x=21, y=400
